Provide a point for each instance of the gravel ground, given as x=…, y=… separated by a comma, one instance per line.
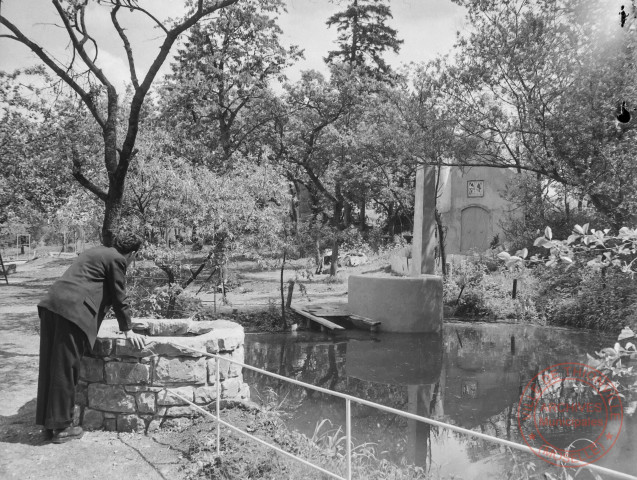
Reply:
x=23, y=453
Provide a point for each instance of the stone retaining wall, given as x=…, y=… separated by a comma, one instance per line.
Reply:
x=125, y=389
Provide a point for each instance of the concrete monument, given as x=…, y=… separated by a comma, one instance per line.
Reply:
x=407, y=304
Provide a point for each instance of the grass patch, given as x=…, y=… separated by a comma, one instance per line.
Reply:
x=326, y=448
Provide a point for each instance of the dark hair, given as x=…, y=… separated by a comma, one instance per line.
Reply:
x=127, y=242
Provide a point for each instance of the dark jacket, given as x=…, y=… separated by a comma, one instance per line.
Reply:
x=94, y=282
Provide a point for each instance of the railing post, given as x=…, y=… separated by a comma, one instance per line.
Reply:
x=218, y=386
x=348, y=435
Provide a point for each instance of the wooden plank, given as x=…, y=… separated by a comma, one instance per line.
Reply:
x=367, y=321
x=321, y=321
x=336, y=309
x=364, y=322
x=328, y=310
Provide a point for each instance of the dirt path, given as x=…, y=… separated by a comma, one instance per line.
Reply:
x=23, y=454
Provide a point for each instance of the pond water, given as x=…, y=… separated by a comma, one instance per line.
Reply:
x=472, y=376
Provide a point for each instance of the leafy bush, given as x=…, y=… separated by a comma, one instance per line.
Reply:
x=615, y=362
x=156, y=305
x=258, y=321
x=149, y=295
x=588, y=280
x=585, y=298
x=477, y=287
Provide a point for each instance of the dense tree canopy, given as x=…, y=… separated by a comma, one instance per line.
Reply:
x=531, y=85
x=536, y=86
x=364, y=36
x=34, y=181
x=219, y=93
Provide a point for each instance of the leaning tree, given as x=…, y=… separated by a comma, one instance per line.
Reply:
x=97, y=90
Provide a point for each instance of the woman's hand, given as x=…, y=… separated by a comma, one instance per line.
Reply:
x=136, y=339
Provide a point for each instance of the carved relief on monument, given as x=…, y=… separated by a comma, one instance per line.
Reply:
x=475, y=188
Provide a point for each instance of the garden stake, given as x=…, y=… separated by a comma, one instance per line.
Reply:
x=217, y=377
x=290, y=290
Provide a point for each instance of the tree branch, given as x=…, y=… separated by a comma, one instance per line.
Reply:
x=195, y=274
x=84, y=32
x=149, y=15
x=35, y=48
x=541, y=170
x=144, y=87
x=85, y=182
x=127, y=46
x=79, y=45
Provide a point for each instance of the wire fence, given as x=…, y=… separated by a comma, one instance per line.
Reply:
x=552, y=456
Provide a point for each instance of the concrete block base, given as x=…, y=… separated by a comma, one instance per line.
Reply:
x=401, y=304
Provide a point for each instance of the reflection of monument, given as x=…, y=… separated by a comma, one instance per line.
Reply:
x=426, y=401
x=414, y=361
x=482, y=377
x=411, y=304
x=471, y=380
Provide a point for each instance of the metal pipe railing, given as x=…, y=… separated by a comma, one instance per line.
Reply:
x=349, y=398
x=348, y=435
x=257, y=439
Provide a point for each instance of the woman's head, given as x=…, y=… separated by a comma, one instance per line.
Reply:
x=127, y=242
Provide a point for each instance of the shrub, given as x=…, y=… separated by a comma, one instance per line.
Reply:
x=157, y=304
x=149, y=295
x=258, y=321
x=477, y=287
x=591, y=282
x=585, y=298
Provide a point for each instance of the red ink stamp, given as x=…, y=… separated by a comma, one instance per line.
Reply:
x=570, y=410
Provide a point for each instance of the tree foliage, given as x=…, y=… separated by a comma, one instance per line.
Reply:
x=364, y=36
x=536, y=85
x=97, y=91
x=245, y=207
x=240, y=212
x=34, y=181
x=218, y=95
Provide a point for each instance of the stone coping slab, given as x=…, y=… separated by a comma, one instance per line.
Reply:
x=170, y=338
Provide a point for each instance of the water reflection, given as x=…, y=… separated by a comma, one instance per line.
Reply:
x=471, y=376
x=413, y=361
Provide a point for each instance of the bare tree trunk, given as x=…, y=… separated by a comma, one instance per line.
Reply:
x=288, y=302
x=173, y=298
x=539, y=196
x=347, y=214
x=441, y=243
x=319, y=258
x=284, y=323
x=336, y=223
x=334, y=258
x=363, y=215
